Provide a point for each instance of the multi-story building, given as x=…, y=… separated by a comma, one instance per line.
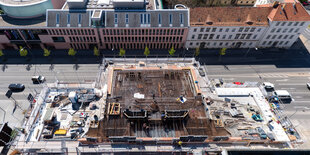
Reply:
x=104, y=24
x=115, y=24
x=271, y=25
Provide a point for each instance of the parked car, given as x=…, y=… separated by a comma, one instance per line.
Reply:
x=270, y=136
x=38, y=79
x=238, y=83
x=308, y=85
x=268, y=85
x=201, y=72
x=283, y=95
x=17, y=87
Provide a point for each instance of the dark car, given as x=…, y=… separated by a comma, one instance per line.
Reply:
x=17, y=87
x=201, y=72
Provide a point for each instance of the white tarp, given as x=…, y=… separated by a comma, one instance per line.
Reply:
x=103, y=2
x=138, y=95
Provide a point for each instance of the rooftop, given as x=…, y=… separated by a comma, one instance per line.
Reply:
x=6, y=21
x=229, y=16
x=20, y=2
x=288, y=12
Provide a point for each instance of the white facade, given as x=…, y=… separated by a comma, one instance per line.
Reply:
x=225, y=36
x=282, y=34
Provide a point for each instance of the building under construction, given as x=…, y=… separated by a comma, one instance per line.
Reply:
x=155, y=103
x=136, y=107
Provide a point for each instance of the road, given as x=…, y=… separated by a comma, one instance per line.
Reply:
x=20, y=74
x=291, y=79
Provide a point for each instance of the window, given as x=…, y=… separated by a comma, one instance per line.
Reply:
x=250, y=44
x=237, y=36
x=274, y=36
x=290, y=23
x=291, y=30
x=195, y=30
x=199, y=36
x=255, y=36
x=240, y=29
x=283, y=23
x=207, y=29
x=190, y=44
x=220, y=44
x=291, y=36
x=159, y=20
x=246, y=29
x=57, y=18
x=141, y=18
x=302, y=24
x=170, y=18
x=214, y=44
x=214, y=29
x=218, y=37
x=58, y=39
x=281, y=42
x=278, y=23
x=278, y=30
x=227, y=30
x=284, y=30
x=202, y=29
x=197, y=44
x=258, y=30
x=226, y=44
x=233, y=30
x=296, y=30
x=264, y=42
x=286, y=42
x=144, y=19
x=242, y=36
x=193, y=36
x=296, y=23
x=268, y=37
x=272, y=30
x=270, y=42
x=248, y=36
x=280, y=36
x=230, y=36
x=252, y=29
x=211, y=36
x=126, y=18
x=220, y=30
x=181, y=18
x=285, y=36
x=80, y=18
x=224, y=37
x=115, y=18
x=205, y=36
x=68, y=19
x=148, y=18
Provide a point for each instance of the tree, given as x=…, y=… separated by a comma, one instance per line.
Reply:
x=146, y=51
x=122, y=52
x=96, y=52
x=171, y=51
x=22, y=51
x=71, y=52
x=1, y=53
x=197, y=51
x=223, y=51
x=46, y=52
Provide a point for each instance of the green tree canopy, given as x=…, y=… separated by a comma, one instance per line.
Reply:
x=22, y=51
x=71, y=52
x=96, y=52
x=146, y=51
x=46, y=52
x=1, y=53
x=223, y=51
x=197, y=51
x=171, y=51
x=122, y=52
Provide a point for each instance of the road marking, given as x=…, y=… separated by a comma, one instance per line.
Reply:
x=282, y=80
x=291, y=84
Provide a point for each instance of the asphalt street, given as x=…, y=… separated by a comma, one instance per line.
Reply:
x=22, y=74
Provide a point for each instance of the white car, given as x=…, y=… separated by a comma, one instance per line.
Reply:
x=268, y=85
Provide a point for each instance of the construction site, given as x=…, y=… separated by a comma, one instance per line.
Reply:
x=147, y=106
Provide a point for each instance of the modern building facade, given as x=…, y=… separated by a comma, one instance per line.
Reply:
x=107, y=24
